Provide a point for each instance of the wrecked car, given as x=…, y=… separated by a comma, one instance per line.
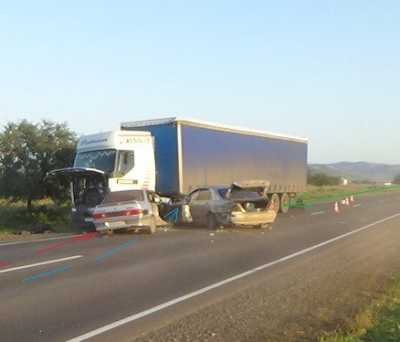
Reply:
x=243, y=204
x=128, y=209
x=87, y=186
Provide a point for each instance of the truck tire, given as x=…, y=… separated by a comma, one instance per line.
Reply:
x=212, y=222
x=285, y=203
x=275, y=203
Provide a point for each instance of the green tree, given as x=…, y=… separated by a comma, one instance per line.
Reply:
x=27, y=152
x=396, y=179
x=320, y=179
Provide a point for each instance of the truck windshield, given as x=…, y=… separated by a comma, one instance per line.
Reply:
x=103, y=160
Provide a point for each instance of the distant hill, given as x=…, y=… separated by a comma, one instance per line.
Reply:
x=358, y=171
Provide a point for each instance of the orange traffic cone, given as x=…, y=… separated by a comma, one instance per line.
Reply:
x=337, y=210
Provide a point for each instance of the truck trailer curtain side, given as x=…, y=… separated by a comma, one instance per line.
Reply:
x=191, y=154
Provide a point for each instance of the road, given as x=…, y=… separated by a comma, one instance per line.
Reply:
x=308, y=273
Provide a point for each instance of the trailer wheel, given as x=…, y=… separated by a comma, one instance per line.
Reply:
x=275, y=203
x=212, y=221
x=285, y=203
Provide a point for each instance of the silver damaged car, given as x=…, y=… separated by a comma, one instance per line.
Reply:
x=243, y=204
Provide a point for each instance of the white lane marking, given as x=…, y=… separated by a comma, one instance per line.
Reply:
x=356, y=205
x=175, y=301
x=41, y=263
x=318, y=213
x=39, y=240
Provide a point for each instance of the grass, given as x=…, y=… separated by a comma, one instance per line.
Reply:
x=380, y=322
x=314, y=194
x=14, y=217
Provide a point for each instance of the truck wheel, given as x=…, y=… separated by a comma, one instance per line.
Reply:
x=275, y=203
x=285, y=203
x=212, y=222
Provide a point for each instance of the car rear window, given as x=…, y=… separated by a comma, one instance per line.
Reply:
x=124, y=196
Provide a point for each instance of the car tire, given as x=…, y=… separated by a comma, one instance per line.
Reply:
x=285, y=203
x=212, y=223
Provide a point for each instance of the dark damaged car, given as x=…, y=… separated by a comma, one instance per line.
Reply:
x=88, y=187
x=243, y=204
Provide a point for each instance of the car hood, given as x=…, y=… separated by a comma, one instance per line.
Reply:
x=77, y=172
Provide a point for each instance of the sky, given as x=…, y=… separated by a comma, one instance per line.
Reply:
x=325, y=70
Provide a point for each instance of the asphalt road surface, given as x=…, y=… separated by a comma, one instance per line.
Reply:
x=309, y=273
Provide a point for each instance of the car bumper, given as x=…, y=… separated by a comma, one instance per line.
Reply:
x=253, y=219
x=123, y=223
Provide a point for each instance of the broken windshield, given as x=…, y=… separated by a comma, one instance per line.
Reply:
x=103, y=160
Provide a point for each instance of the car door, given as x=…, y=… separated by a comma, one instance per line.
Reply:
x=194, y=205
x=199, y=205
x=153, y=203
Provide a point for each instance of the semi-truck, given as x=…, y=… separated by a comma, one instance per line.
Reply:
x=173, y=156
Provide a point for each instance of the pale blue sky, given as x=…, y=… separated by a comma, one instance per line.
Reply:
x=327, y=70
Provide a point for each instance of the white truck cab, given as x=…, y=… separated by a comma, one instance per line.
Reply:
x=108, y=162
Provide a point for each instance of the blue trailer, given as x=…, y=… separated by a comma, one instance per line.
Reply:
x=191, y=154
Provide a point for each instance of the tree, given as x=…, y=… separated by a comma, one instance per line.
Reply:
x=27, y=152
x=320, y=179
x=396, y=179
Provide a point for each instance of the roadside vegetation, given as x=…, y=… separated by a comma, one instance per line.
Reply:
x=322, y=179
x=44, y=216
x=320, y=194
x=324, y=188
x=27, y=152
x=29, y=203
x=380, y=322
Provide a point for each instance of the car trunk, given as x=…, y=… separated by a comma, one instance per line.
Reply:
x=250, y=203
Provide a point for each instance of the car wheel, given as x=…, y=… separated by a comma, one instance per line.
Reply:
x=212, y=222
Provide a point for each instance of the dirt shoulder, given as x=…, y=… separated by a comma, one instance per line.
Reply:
x=296, y=301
